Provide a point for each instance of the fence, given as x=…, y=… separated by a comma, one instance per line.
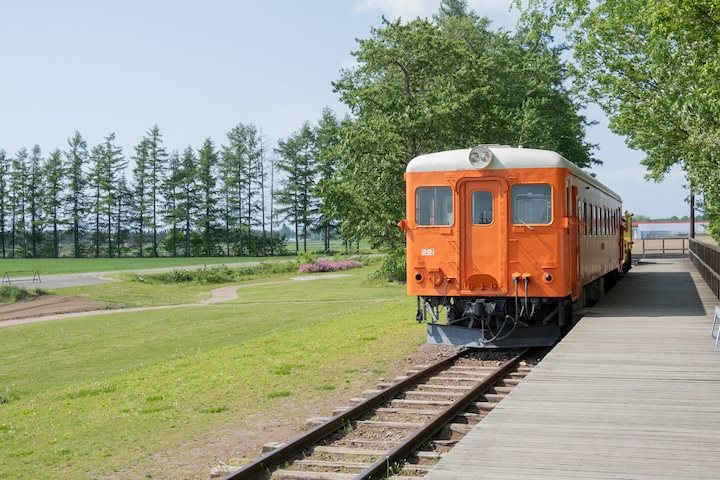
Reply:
x=706, y=259
x=662, y=247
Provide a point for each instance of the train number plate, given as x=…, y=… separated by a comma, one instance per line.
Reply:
x=427, y=252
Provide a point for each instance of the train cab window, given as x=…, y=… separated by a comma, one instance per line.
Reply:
x=532, y=204
x=433, y=206
x=482, y=208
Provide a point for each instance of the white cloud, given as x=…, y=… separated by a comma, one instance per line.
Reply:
x=496, y=10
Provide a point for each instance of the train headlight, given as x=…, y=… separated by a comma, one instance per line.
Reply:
x=480, y=157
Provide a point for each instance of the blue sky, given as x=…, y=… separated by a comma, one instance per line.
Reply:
x=198, y=68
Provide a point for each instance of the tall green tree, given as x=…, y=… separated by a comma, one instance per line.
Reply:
x=188, y=198
x=295, y=198
x=172, y=193
x=55, y=184
x=112, y=164
x=328, y=189
x=242, y=178
x=123, y=205
x=4, y=193
x=140, y=193
x=206, y=192
x=227, y=189
x=96, y=186
x=653, y=66
x=156, y=165
x=75, y=198
x=34, y=198
x=18, y=200
x=430, y=85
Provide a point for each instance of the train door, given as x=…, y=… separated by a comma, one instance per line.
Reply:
x=483, y=268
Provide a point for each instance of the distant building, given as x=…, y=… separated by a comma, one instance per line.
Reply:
x=679, y=228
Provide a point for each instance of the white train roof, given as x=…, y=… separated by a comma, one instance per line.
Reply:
x=504, y=158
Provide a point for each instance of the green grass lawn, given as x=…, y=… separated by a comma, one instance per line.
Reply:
x=47, y=266
x=89, y=396
x=135, y=294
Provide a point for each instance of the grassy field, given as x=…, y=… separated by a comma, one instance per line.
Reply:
x=48, y=266
x=86, y=397
x=134, y=294
x=129, y=293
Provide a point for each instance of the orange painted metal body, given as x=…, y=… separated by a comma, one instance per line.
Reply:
x=582, y=243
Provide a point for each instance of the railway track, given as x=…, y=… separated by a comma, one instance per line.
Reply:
x=399, y=430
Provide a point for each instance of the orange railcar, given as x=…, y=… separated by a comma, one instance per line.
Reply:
x=502, y=241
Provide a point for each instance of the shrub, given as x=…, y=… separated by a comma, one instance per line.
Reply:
x=327, y=265
x=392, y=268
x=12, y=293
x=217, y=274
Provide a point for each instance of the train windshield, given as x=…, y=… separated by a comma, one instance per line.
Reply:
x=433, y=206
x=532, y=204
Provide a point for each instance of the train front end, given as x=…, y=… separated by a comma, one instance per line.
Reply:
x=486, y=246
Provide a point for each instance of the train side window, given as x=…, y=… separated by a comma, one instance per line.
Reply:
x=596, y=227
x=585, y=218
x=482, y=208
x=532, y=204
x=433, y=206
x=607, y=222
x=591, y=220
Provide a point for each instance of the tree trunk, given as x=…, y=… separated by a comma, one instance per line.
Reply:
x=56, y=247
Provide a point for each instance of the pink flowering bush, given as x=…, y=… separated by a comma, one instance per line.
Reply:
x=327, y=265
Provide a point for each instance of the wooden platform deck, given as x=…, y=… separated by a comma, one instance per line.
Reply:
x=633, y=392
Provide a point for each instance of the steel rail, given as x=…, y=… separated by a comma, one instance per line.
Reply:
x=305, y=440
x=381, y=468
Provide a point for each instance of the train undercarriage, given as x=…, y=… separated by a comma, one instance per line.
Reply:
x=494, y=322
x=504, y=322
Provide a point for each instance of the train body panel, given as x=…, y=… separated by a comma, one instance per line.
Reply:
x=511, y=240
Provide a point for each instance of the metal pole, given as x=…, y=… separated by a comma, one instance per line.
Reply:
x=692, y=213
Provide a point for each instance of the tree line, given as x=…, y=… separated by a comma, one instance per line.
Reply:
x=215, y=200
x=417, y=87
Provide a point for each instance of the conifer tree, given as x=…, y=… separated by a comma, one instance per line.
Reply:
x=329, y=189
x=242, y=177
x=55, y=183
x=95, y=184
x=75, y=200
x=34, y=198
x=172, y=193
x=297, y=161
x=188, y=196
x=140, y=192
x=156, y=165
x=112, y=163
x=123, y=201
x=4, y=179
x=207, y=219
x=18, y=197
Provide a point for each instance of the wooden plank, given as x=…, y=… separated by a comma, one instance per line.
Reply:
x=632, y=392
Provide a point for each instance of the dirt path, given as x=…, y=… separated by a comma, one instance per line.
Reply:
x=52, y=307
